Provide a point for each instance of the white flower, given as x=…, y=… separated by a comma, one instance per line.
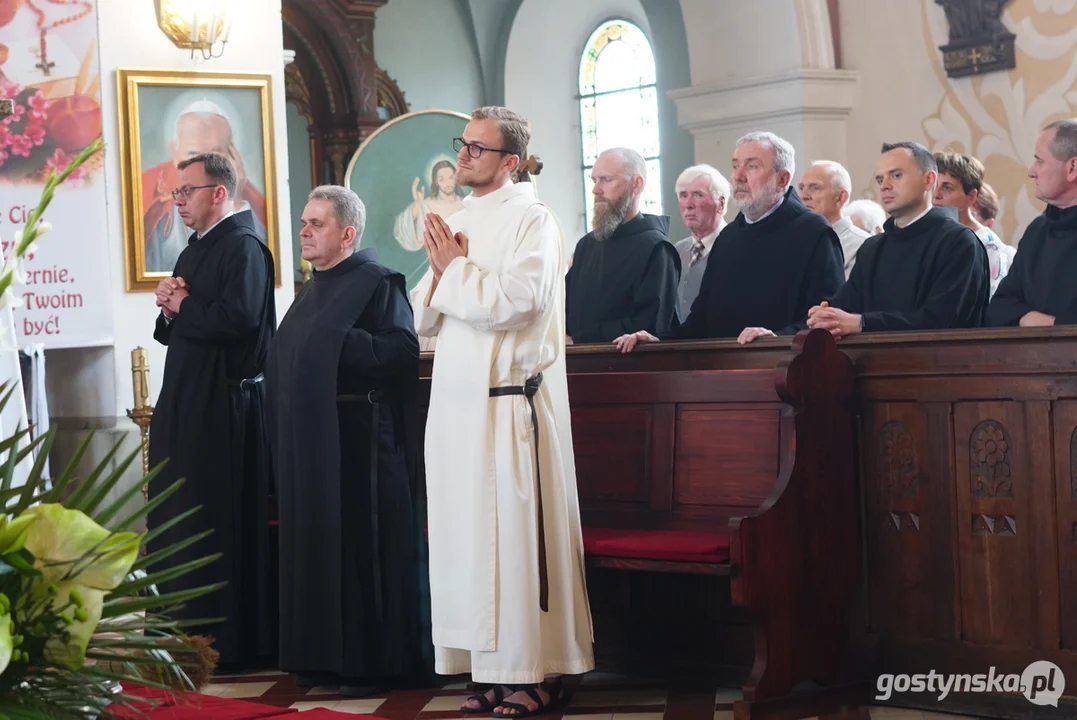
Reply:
x=42, y=227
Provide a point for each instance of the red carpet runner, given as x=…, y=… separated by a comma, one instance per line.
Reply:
x=195, y=706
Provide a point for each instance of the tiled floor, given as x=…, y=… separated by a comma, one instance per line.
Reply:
x=599, y=697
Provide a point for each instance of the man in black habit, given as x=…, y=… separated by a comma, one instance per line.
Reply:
x=625, y=272
x=342, y=374
x=767, y=267
x=926, y=271
x=217, y=319
x=1041, y=287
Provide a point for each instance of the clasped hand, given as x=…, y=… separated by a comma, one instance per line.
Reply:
x=442, y=247
x=836, y=320
x=170, y=293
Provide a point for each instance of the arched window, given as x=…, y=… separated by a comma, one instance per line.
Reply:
x=619, y=104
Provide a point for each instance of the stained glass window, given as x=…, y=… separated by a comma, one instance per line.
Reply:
x=619, y=104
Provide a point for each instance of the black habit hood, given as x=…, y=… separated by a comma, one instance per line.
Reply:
x=1041, y=277
x=625, y=283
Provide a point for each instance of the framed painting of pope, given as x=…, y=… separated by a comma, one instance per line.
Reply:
x=402, y=171
x=167, y=116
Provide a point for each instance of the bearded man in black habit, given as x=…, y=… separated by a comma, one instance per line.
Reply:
x=217, y=319
x=342, y=374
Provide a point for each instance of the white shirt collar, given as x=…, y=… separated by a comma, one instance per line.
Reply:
x=708, y=240
x=930, y=207
x=207, y=232
x=768, y=212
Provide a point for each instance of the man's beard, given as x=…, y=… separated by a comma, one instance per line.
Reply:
x=755, y=206
x=609, y=216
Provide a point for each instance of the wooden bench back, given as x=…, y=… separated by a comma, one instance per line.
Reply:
x=676, y=449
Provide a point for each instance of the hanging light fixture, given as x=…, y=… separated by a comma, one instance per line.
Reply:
x=197, y=24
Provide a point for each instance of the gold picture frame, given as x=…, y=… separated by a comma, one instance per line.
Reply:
x=168, y=114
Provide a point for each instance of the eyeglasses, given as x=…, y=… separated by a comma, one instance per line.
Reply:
x=185, y=191
x=476, y=151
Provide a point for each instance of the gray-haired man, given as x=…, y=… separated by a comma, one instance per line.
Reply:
x=342, y=375
x=825, y=189
x=702, y=194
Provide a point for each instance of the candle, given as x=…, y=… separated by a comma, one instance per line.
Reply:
x=140, y=377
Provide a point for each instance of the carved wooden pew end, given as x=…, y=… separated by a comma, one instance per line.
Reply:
x=741, y=471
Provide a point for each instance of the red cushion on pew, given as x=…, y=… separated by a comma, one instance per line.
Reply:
x=672, y=545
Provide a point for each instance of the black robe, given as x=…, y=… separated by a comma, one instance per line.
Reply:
x=349, y=590
x=1042, y=276
x=765, y=274
x=930, y=275
x=625, y=283
x=210, y=427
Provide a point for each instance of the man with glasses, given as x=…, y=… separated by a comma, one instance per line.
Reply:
x=200, y=127
x=507, y=590
x=217, y=318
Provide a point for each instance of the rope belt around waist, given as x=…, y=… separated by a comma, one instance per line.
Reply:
x=246, y=383
x=374, y=397
x=529, y=389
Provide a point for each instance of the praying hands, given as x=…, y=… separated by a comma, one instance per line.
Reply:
x=170, y=293
x=837, y=321
x=442, y=247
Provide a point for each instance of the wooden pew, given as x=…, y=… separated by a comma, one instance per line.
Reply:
x=713, y=459
x=690, y=460
x=969, y=473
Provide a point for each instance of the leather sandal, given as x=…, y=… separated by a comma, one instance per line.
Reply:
x=554, y=688
x=485, y=706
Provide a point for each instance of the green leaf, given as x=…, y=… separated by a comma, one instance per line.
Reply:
x=69, y=545
x=156, y=557
x=105, y=487
x=123, y=605
x=60, y=484
x=87, y=486
x=168, y=524
x=152, y=505
x=133, y=586
x=112, y=510
x=21, y=564
x=13, y=533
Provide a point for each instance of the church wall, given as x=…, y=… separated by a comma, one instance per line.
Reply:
x=91, y=388
x=541, y=81
x=129, y=38
x=904, y=93
x=429, y=49
x=758, y=66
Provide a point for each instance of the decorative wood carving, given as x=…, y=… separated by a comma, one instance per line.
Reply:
x=979, y=42
x=989, y=460
x=390, y=96
x=1073, y=465
x=897, y=459
x=297, y=92
x=903, y=521
x=994, y=524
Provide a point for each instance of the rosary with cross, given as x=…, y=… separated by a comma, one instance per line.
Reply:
x=87, y=7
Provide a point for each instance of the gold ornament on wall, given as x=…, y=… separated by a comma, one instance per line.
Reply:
x=197, y=24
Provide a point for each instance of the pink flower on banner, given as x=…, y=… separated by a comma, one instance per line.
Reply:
x=3, y=156
x=21, y=145
x=35, y=133
x=8, y=89
x=39, y=106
